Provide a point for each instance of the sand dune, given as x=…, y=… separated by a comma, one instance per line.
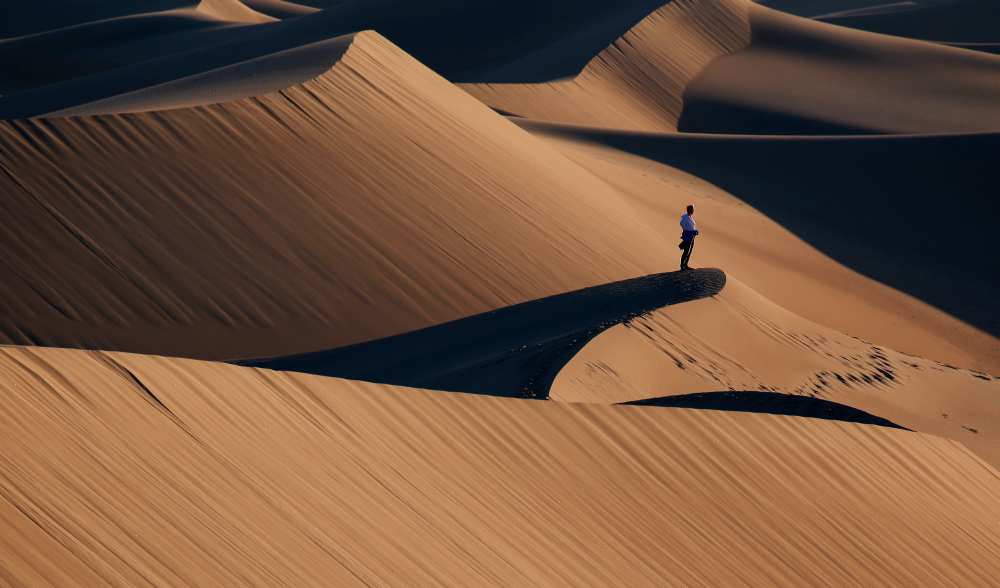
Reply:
x=104, y=36
x=871, y=204
x=26, y=18
x=492, y=40
x=740, y=340
x=356, y=483
x=836, y=80
x=946, y=21
x=257, y=228
x=514, y=351
x=280, y=8
x=639, y=81
x=693, y=66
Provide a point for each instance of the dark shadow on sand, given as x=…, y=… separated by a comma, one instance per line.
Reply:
x=770, y=403
x=877, y=204
x=514, y=351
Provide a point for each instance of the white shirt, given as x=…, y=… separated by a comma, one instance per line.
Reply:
x=687, y=223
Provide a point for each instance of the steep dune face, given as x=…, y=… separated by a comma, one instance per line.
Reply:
x=373, y=200
x=226, y=475
x=805, y=77
x=639, y=81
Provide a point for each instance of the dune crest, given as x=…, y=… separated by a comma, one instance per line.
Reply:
x=806, y=77
x=639, y=81
x=225, y=475
x=258, y=228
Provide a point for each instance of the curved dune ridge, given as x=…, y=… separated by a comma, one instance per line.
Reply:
x=258, y=227
x=955, y=22
x=828, y=227
x=737, y=67
x=804, y=77
x=53, y=42
x=358, y=483
x=639, y=81
x=26, y=18
x=514, y=351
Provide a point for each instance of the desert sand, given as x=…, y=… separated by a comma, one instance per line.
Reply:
x=378, y=292
x=224, y=474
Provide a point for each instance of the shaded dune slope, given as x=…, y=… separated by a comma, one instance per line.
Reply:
x=280, y=8
x=18, y=19
x=885, y=193
x=464, y=490
x=519, y=40
x=639, y=81
x=258, y=228
x=777, y=263
x=513, y=351
x=962, y=22
x=103, y=36
x=493, y=40
x=805, y=77
x=186, y=46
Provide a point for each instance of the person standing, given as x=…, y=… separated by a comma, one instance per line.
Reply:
x=687, y=237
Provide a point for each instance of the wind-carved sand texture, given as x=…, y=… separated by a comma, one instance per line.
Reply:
x=258, y=228
x=141, y=469
x=506, y=381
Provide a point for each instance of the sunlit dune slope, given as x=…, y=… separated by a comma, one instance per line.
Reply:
x=740, y=340
x=800, y=76
x=638, y=82
x=372, y=200
x=228, y=475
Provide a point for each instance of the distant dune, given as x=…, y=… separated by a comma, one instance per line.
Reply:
x=229, y=475
x=639, y=81
x=961, y=22
x=837, y=81
x=50, y=42
x=736, y=67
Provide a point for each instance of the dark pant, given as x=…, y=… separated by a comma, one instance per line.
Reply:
x=688, y=248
